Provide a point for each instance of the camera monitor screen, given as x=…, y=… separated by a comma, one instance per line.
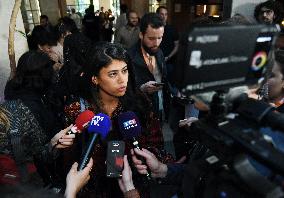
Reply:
x=221, y=57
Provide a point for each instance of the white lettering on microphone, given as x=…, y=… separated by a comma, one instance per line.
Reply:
x=130, y=124
x=96, y=120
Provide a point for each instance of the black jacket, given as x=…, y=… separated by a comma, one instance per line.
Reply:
x=143, y=75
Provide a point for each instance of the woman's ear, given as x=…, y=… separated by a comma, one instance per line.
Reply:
x=39, y=47
x=140, y=35
x=94, y=80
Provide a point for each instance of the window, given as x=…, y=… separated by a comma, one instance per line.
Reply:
x=81, y=5
x=154, y=4
x=30, y=13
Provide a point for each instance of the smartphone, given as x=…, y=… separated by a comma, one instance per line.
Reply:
x=158, y=84
x=115, y=153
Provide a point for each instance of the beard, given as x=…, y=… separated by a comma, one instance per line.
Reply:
x=150, y=50
x=132, y=25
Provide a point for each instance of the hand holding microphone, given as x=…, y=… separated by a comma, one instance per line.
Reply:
x=130, y=129
x=158, y=169
x=75, y=180
x=63, y=139
x=82, y=122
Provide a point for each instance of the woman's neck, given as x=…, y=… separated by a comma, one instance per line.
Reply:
x=61, y=41
x=278, y=101
x=109, y=102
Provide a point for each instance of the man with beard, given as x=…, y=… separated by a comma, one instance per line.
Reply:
x=149, y=62
x=269, y=12
x=128, y=35
x=170, y=41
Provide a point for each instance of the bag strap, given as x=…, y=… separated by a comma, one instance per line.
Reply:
x=83, y=104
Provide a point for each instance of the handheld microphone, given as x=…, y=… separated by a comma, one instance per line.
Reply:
x=130, y=129
x=99, y=126
x=81, y=122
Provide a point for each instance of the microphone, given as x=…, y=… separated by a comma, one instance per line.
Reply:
x=81, y=122
x=130, y=129
x=99, y=126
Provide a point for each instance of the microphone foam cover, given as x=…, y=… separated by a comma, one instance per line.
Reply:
x=83, y=118
x=129, y=125
x=100, y=124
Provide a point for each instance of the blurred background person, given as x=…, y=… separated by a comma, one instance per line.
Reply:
x=269, y=12
x=128, y=35
x=121, y=20
x=92, y=25
x=275, y=83
x=76, y=18
x=44, y=22
x=169, y=44
x=33, y=136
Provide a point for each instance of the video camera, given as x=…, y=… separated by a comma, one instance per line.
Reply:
x=216, y=59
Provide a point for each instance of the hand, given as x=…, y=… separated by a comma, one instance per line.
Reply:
x=62, y=140
x=75, y=180
x=53, y=56
x=57, y=66
x=187, y=122
x=150, y=88
x=167, y=58
x=181, y=160
x=126, y=183
x=158, y=169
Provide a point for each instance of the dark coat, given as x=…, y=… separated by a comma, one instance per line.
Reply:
x=143, y=75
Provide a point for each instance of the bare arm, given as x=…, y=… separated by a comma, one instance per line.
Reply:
x=174, y=51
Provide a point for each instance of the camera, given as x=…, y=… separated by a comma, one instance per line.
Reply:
x=231, y=144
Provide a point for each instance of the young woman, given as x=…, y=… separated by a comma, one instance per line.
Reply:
x=33, y=133
x=112, y=91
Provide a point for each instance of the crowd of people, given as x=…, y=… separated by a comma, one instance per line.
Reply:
x=77, y=66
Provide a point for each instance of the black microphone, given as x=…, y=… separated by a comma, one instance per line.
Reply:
x=130, y=129
x=100, y=126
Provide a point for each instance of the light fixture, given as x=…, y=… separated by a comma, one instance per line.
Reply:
x=204, y=8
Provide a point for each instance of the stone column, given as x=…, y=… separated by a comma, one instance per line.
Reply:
x=107, y=4
x=140, y=6
x=245, y=8
x=20, y=43
x=51, y=9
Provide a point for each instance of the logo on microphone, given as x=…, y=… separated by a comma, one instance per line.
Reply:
x=130, y=124
x=96, y=120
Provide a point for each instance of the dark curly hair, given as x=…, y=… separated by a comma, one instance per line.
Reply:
x=34, y=73
x=40, y=36
x=65, y=25
x=273, y=5
x=152, y=19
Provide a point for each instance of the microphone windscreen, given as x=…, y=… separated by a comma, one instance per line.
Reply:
x=100, y=124
x=129, y=125
x=83, y=119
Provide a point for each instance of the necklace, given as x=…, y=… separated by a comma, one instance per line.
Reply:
x=109, y=109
